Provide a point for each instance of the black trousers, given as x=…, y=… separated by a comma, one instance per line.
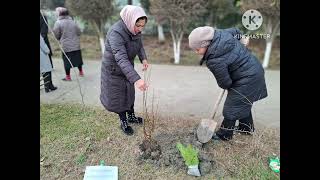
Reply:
x=246, y=124
x=68, y=70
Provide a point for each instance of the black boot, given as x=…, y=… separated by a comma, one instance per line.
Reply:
x=52, y=87
x=46, y=88
x=132, y=118
x=124, y=124
x=46, y=80
x=246, y=125
x=225, y=132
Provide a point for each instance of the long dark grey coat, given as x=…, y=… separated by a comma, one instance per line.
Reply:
x=236, y=70
x=117, y=71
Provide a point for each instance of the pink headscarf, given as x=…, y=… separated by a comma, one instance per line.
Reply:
x=129, y=14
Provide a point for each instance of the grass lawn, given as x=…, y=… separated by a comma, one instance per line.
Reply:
x=73, y=137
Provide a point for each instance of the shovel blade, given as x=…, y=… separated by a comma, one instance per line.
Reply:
x=206, y=130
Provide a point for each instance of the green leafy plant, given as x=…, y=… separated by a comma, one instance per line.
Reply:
x=81, y=159
x=189, y=154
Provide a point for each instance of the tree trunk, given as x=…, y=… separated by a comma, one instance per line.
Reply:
x=272, y=32
x=99, y=31
x=161, y=36
x=210, y=20
x=177, y=53
x=176, y=38
x=267, y=53
x=101, y=39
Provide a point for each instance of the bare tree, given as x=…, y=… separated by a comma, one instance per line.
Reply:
x=159, y=19
x=218, y=9
x=270, y=10
x=96, y=12
x=179, y=13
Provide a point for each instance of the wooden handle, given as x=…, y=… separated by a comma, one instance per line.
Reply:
x=215, y=109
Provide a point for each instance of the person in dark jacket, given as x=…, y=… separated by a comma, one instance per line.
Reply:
x=68, y=33
x=44, y=33
x=236, y=70
x=47, y=77
x=118, y=76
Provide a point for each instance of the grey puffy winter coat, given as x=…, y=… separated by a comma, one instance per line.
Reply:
x=236, y=70
x=68, y=33
x=117, y=71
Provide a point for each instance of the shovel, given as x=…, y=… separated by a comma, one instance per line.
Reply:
x=207, y=127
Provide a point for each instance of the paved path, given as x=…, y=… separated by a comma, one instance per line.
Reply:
x=178, y=90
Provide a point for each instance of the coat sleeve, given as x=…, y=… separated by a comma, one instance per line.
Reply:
x=142, y=54
x=43, y=46
x=220, y=71
x=119, y=52
x=235, y=32
x=57, y=30
x=78, y=30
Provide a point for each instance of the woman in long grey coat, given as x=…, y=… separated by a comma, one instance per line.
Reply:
x=45, y=66
x=118, y=76
x=236, y=70
x=68, y=33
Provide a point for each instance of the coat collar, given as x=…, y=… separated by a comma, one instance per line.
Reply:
x=212, y=48
x=64, y=17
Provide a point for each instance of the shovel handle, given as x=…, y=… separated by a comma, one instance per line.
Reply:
x=218, y=102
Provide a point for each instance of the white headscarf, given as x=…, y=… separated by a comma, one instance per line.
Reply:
x=129, y=14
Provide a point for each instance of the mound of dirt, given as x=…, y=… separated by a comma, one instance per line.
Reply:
x=150, y=150
x=162, y=151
